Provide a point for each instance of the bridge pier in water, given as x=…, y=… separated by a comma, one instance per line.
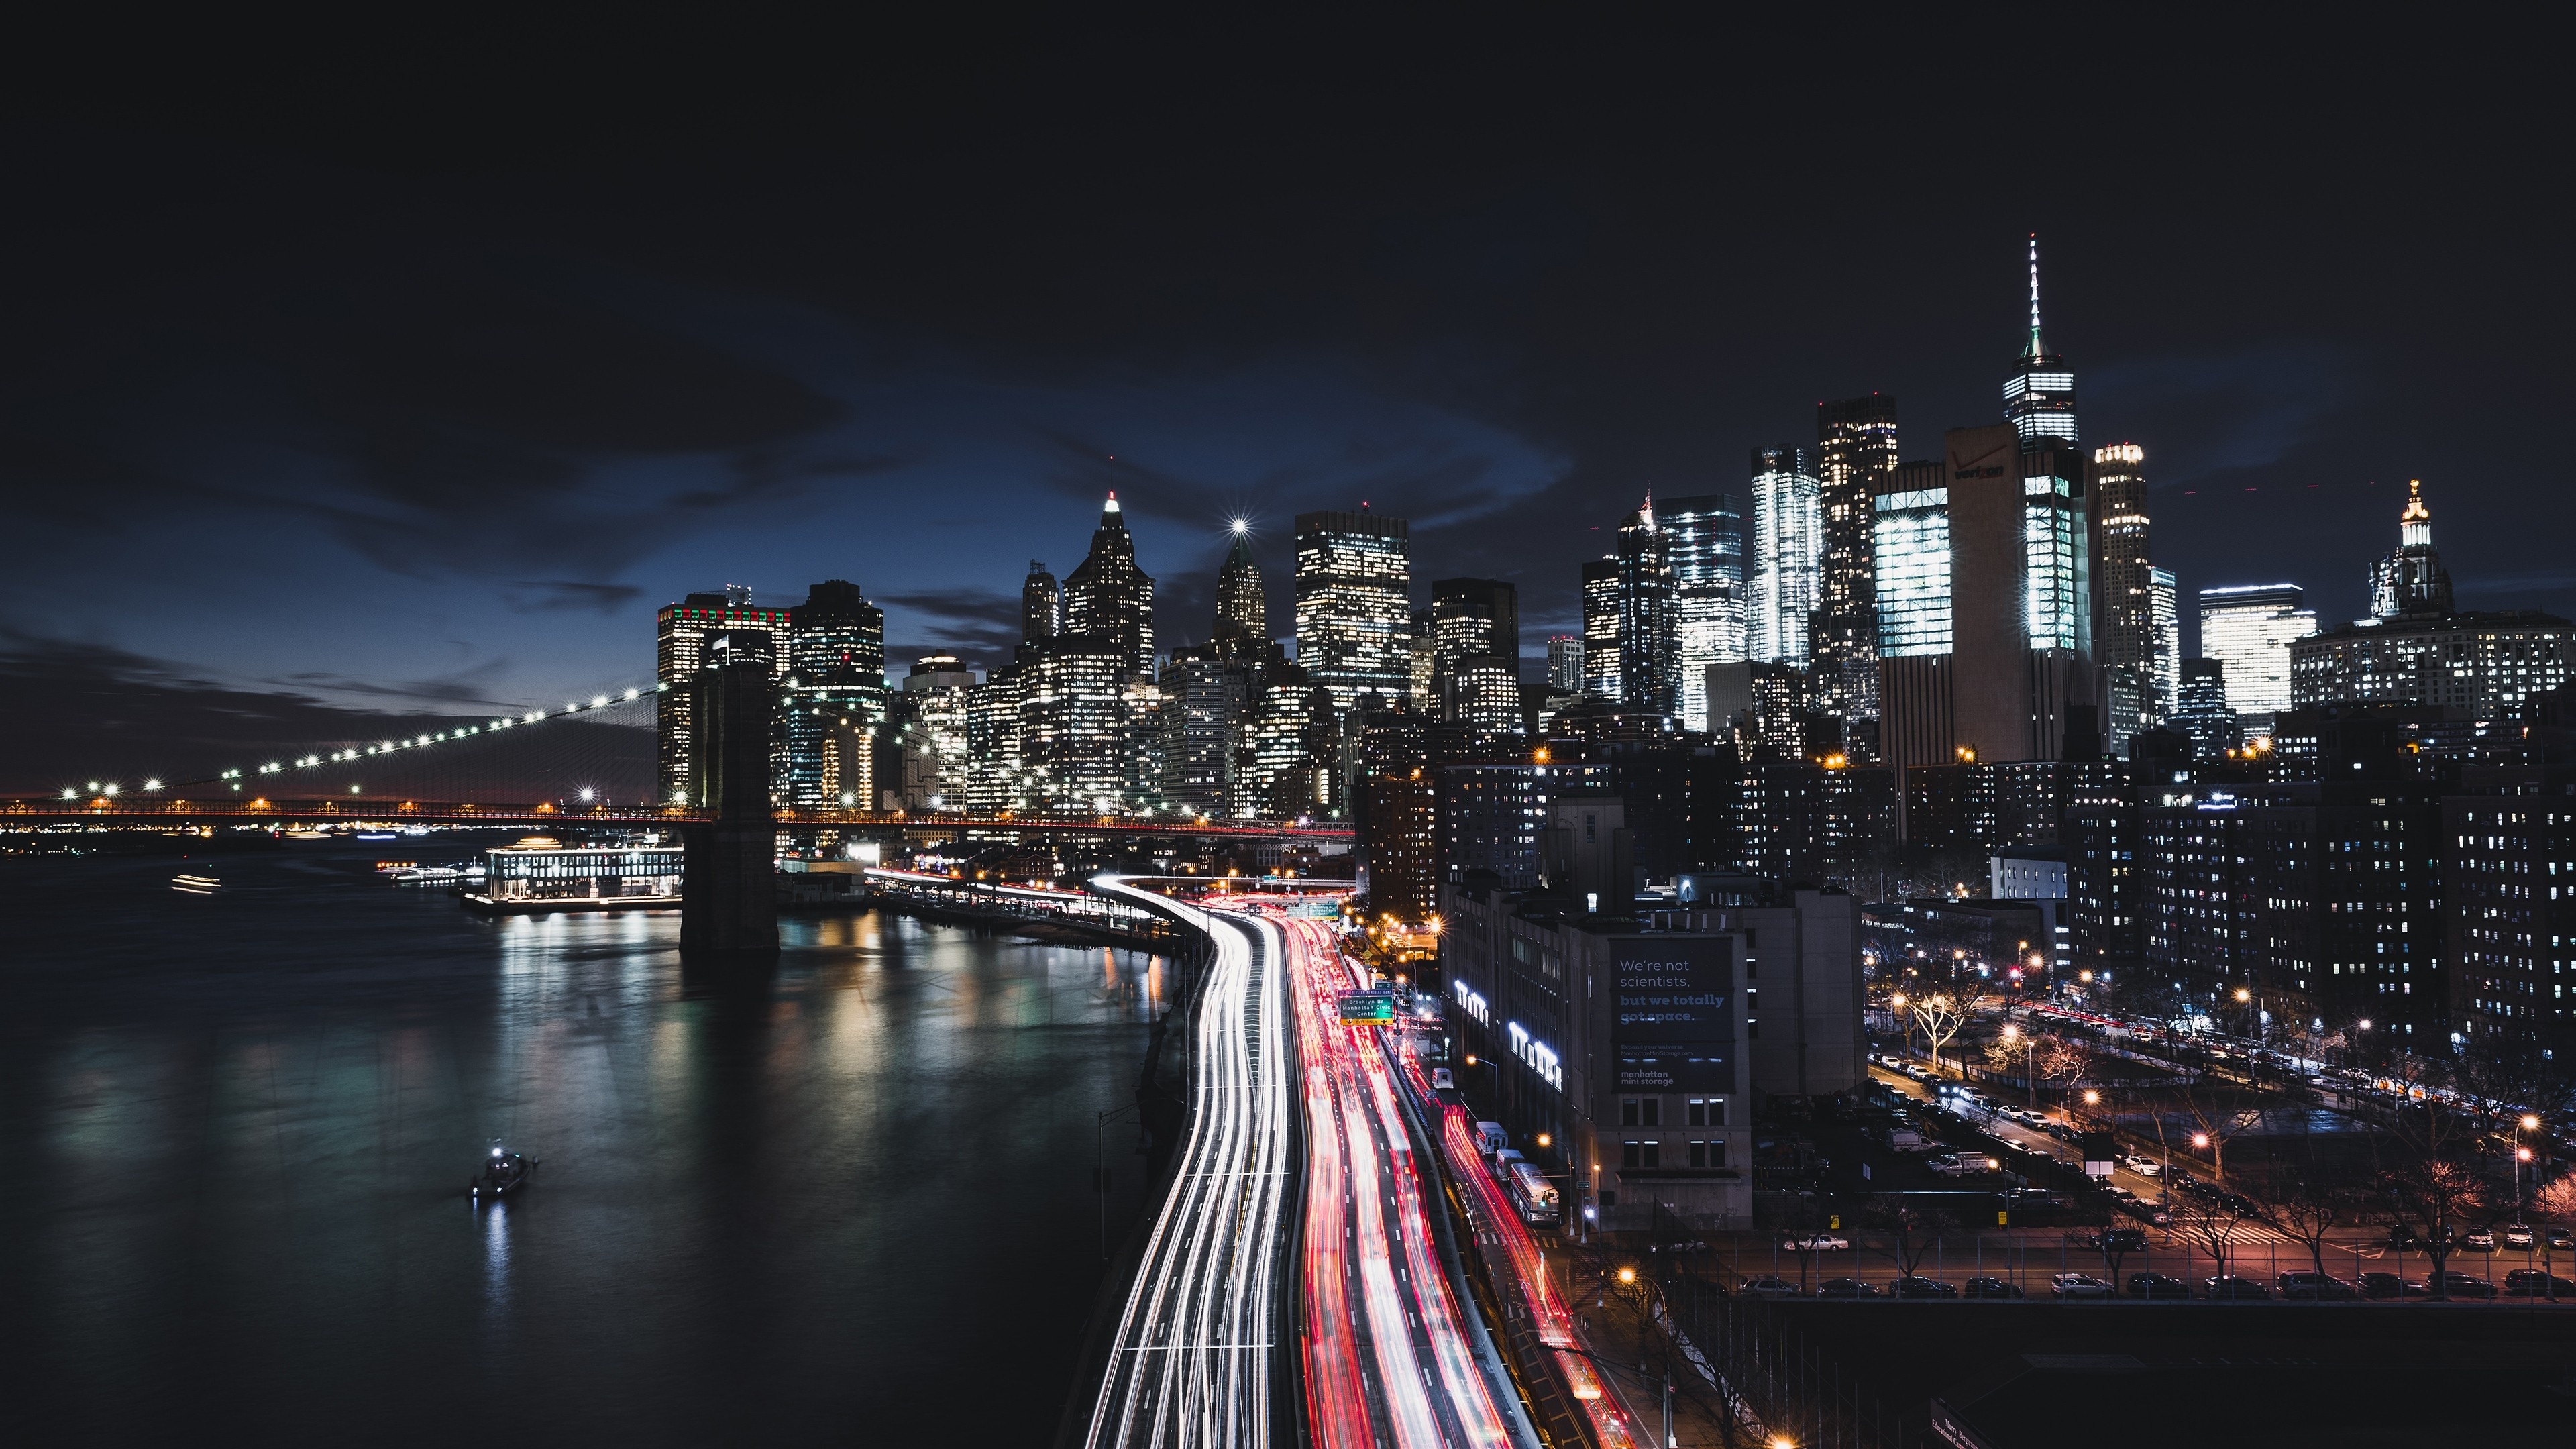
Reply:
x=729, y=871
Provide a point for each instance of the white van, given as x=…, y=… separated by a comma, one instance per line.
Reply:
x=1491, y=1138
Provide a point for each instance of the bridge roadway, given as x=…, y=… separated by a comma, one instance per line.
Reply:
x=127, y=809
x=1191, y=1362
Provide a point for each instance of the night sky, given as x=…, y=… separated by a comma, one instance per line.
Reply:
x=415, y=379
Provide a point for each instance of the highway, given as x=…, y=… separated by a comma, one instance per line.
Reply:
x=1389, y=1354
x=1191, y=1360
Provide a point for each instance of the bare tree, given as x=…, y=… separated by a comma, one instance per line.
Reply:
x=2208, y=1221
x=2217, y=1112
x=2557, y=1198
x=2433, y=1195
x=1942, y=1015
x=2307, y=1210
x=1911, y=1232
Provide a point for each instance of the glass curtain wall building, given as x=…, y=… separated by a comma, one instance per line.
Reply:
x=1600, y=654
x=2129, y=640
x=1108, y=597
x=1704, y=541
x=2248, y=629
x=834, y=702
x=1475, y=653
x=1788, y=555
x=1856, y=461
x=681, y=632
x=1355, y=607
x=2165, y=611
x=1649, y=639
x=1910, y=550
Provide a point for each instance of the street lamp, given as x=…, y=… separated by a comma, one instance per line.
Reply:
x=2528, y=1122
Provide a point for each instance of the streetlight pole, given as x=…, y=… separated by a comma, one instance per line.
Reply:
x=2528, y=1122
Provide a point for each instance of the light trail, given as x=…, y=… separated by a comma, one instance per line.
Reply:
x=1387, y=1354
x=1190, y=1364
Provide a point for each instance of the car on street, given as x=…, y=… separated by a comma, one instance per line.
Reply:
x=2384, y=1286
x=1982, y=1287
x=2155, y=1214
x=2479, y=1240
x=1817, y=1243
x=2157, y=1285
x=1769, y=1286
x=2120, y=1193
x=1919, y=1286
x=2515, y=1235
x=2142, y=1166
x=2230, y=1286
x=1441, y=1081
x=1848, y=1288
x=2078, y=1285
x=2116, y=1240
x=2535, y=1283
x=2316, y=1287
x=2403, y=1239
x=2562, y=1239
x=2458, y=1285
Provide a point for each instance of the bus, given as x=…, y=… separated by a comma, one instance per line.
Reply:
x=1534, y=1195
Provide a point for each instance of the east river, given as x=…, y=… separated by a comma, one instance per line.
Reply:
x=851, y=1203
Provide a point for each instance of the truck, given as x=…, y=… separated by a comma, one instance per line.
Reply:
x=1906, y=1139
x=1533, y=1194
x=1491, y=1138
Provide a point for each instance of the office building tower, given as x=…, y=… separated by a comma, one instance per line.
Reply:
x=1140, y=707
x=1475, y=635
x=1601, y=629
x=1242, y=610
x=931, y=717
x=1041, y=605
x=1565, y=664
x=1704, y=540
x=1108, y=597
x=1424, y=673
x=2248, y=628
x=1649, y=632
x=681, y=632
x=1985, y=602
x=995, y=779
x=1354, y=606
x=1855, y=462
x=2411, y=583
x=1205, y=709
x=2123, y=569
x=1296, y=745
x=834, y=702
x=2039, y=396
x=1788, y=556
x=2164, y=613
x=1074, y=742
x=2201, y=710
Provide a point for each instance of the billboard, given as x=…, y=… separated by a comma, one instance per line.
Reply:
x=1676, y=990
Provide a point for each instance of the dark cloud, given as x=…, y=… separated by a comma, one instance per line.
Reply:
x=537, y=597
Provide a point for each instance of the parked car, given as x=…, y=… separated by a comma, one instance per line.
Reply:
x=2230, y=1286
x=2561, y=1239
x=2078, y=1285
x=1919, y=1286
x=2157, y=1285
x=2534, y=1283
x=2516, y=1235
x=2121, y=1194
x=2383, y=1286
x=2316, y=1287
x=2479, y=1240
x=2142, y=1166
x=1817, y=1243
x=2459, y=1285
x=1768, y=1286
x=1989, y=1288
x=1848, y=1288
x=2153, y=1213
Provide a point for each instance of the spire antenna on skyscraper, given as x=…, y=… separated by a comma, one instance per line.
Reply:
x=2036, y=350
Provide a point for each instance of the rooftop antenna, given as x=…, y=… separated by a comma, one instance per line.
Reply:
x=2035, y=349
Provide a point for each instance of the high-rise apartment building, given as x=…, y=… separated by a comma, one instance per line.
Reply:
x=1475, y=634
x=2039, y=395
x=1788, y=556
x=834, y=702
x=1041, y=605
x=681, y=632
x=1108, y=597
x=2248, y=628
x=2164, y=612
x=1355, y=606
x=1601, y=629
x=1242, y=612
x=1704, y=542
x=1649, y=625
x=2124, y=571
x=1856, y=461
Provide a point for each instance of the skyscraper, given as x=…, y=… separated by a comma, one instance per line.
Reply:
x=1788, y=556
x=2248, y=629
x=1649, y=633
x=681, y=632
x=1601, y=629
x=2201, y=710
x=1041, y=605
x=2165, y=611
x=1564, y=663
x=1074, y=740
x=834, y=702
x=1108, y=597
x=2039, y=396
x=1704, y=540
x=1354, y=606
x=2124, y=570
x=2411, y=583
x=1855, y=462
x=1475, y=653
x=1206, y=708
x=1242, y=611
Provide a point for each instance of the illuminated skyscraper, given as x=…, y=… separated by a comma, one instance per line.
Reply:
x=1041, y=605
x=834, y=702
x=1108, y=597
x=1788, y=556
x=2129, y=638
x=681, y=632
x=1565, y=663
x=1855, y=463
x=937, y=759
x=2039, y=396
x=1601, y=629
x=1242, y=617
x=1074, y=741
x=1206, y=710
x=2165, y=609
x=2248, y=630
x=1475, y=653
x=1705, y=542
x=1649, y=632
x=2411, y=583
x=1355, y=606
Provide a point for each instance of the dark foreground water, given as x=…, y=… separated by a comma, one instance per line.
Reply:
x=848, y=1204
